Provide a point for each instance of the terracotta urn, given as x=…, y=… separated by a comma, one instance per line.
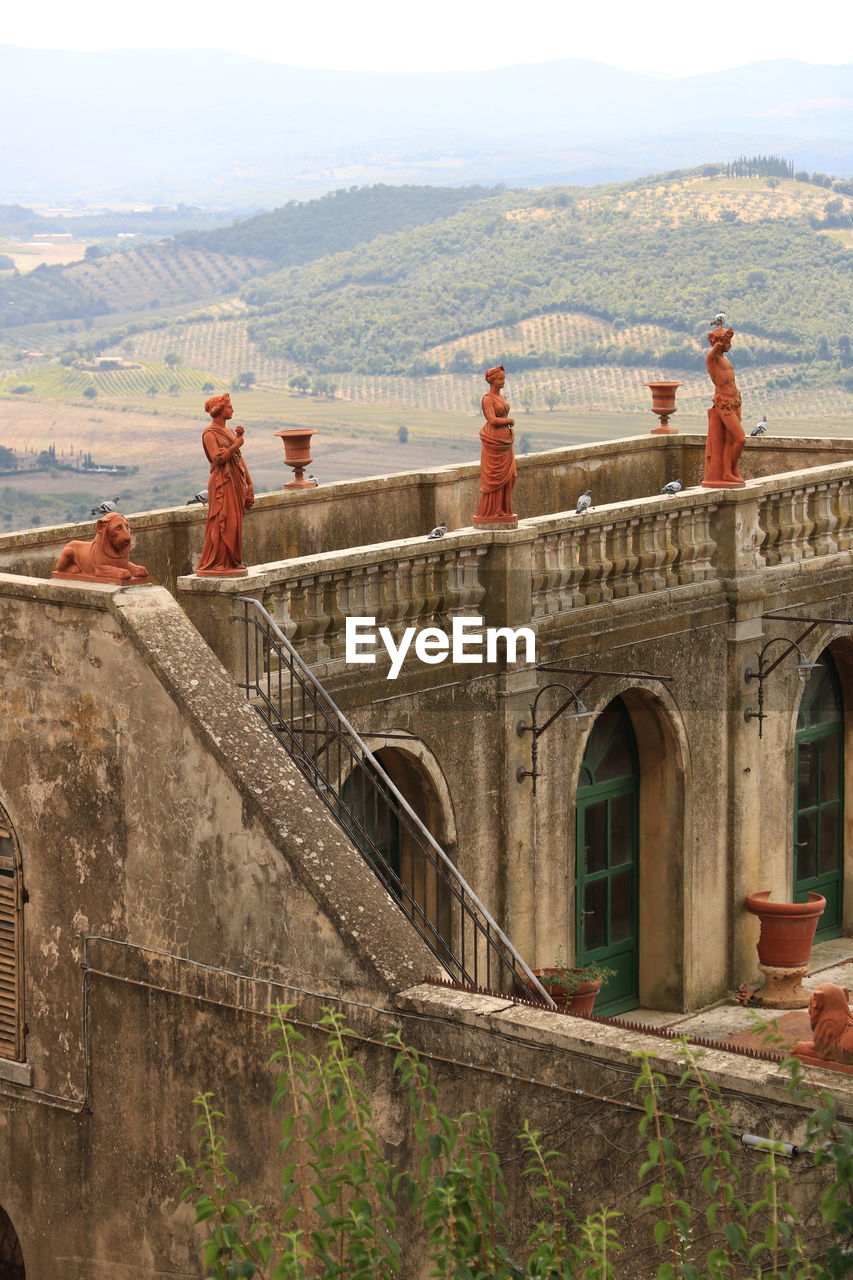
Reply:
x=297, y=454
x=580, y=1000
x=787, y=929
x=663, y=404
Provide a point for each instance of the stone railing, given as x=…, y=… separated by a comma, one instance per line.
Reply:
x=418, y=589
x=550, y=566
x=806, y=519
x=590, y=559
x=414, y=583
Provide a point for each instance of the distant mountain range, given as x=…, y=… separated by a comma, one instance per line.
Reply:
x=224, y=129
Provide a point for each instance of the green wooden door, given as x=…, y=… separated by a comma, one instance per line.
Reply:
x=607, y=858
x=819, y=796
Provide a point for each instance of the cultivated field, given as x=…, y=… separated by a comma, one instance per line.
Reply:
x=29, y=254
x=163, y=441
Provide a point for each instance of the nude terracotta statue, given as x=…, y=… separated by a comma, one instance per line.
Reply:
x=497, y=460
x=229, y=493
x=725, y=433
x=105, y=558
x=832, y=1027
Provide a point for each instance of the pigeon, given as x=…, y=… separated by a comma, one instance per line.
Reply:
x=313, y=479
x=759, y=428
x=720, y=321
x=672, y=488
x=584, y=501
x=438, y=532
x=200, y=499
x=105, y=508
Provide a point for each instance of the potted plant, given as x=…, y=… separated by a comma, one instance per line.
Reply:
x=787, y=928
x=574, y=989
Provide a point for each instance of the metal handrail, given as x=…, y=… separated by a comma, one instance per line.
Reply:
x=353, y=785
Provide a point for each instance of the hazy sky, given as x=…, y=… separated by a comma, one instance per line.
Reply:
x=667, y=36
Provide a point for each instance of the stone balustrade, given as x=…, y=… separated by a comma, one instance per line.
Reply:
x=802, y=520
x=420, y=589
x=549, y=566
x=590, y=559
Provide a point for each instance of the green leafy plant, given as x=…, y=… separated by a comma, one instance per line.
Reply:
x=347, y=1211
x=568, y=979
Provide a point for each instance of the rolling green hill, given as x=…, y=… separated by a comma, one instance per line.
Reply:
x=584, y=294
x=139, y=280
x=673, y=253
x=299, y=232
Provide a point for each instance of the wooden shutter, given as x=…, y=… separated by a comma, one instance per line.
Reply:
x=10, y=933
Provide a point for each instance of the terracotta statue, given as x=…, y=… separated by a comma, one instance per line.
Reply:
x=229, y=493
x=725, y=433
x=105, y=558
x=497, y=460
x=832, y=1026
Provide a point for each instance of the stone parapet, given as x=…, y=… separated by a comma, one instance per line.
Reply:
x=549, y=567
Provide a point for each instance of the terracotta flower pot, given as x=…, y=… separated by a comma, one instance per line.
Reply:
x=787, y=928
x=579, y=1000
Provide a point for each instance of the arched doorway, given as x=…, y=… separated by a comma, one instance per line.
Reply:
x=818, y=853
x=416, y=880
x=11, y=1257
x=607, y=878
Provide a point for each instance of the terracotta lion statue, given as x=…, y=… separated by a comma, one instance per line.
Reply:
x=105, y=558
x=832, y=1026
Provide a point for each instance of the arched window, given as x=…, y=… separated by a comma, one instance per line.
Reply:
x=607, y=895
x=11, y=1258
x=11, y=897
x=415, y=880
x=819, y=796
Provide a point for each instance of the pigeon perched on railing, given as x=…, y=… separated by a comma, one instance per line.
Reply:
x=759, y=428
x=200, y=499
x=313, y=479
x=106, y=507
x=584, y=502
x=438, y=532
x=672, y=488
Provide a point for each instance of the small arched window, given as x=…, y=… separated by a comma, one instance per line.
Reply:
x=11, y=898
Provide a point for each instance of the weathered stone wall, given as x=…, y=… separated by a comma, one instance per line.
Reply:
x=151, y=805
x=94, y=1193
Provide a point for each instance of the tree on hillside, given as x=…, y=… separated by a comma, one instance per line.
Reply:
x=300, y=382
x=403, y=434
x=90, y=392
x=552, y=398
x=245, y=381
x=8, y=461
x=172, y=359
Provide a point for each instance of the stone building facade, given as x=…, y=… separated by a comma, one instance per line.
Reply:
x=166, y=871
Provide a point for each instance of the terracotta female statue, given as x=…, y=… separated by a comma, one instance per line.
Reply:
x=497, y=460
x=725, y=433
x=229, y=491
